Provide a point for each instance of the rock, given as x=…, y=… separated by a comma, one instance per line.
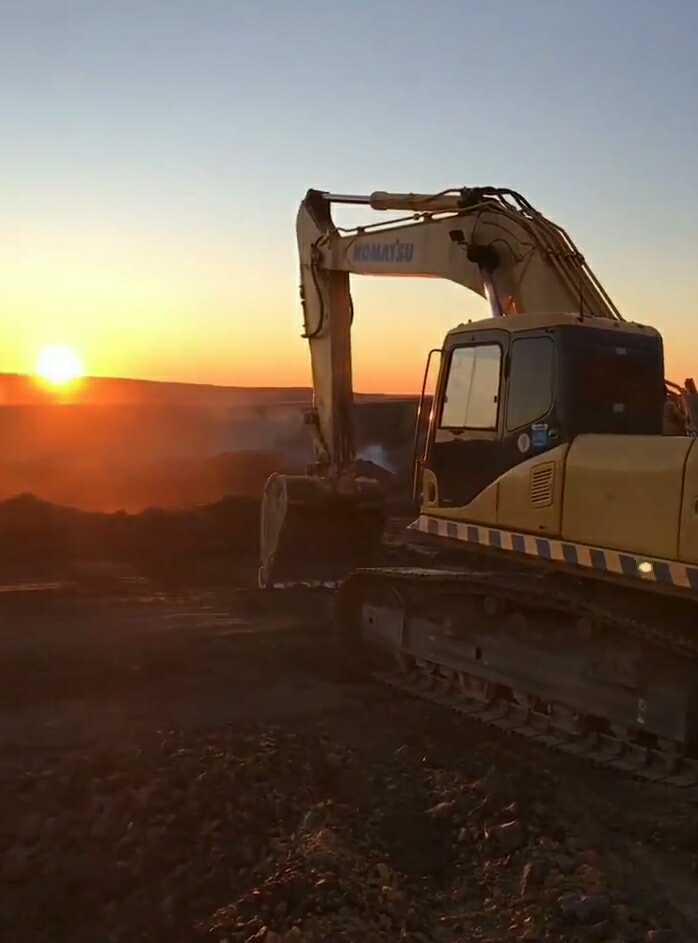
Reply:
x=263, y=936
x=393, y=896
x=494, y=783
x=594, y=908
x=599, y=931
x=508, y=836
x=567, y=902
x=463, y=836
x=441, y=811
x=589, y=909
x=314, y=817
x=660, y=936
x=254, y=929
x=565, y=864
x=533, y=874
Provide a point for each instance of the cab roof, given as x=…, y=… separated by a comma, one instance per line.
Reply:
x=515, y=323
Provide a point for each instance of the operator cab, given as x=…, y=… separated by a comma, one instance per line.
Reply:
x=512, y=388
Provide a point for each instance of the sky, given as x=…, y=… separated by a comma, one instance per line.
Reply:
x=154, y=152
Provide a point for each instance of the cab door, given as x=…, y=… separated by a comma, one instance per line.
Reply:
x=464, y=450
x=496, y=408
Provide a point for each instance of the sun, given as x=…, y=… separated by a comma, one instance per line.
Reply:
x=59, y=366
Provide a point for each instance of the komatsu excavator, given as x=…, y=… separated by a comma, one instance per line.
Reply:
x=559, y=466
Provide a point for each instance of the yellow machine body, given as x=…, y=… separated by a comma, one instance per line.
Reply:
x=627, y=504
x=636, y=495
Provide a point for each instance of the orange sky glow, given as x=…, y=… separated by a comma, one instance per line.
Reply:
x=155, y=163
x=150, y=309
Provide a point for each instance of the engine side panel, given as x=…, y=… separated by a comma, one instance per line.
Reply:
x=625, y=492
x=527, y=498
x=626, y=505
x=530, y=495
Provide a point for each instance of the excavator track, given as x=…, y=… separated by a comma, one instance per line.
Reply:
x=593, y=671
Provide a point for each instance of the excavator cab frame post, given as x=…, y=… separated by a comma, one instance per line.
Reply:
x=422, y=429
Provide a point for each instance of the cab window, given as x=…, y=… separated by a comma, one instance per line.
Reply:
x=531, y=380
x=471, y=399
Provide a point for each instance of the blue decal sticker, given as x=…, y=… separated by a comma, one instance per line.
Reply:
x=539, y=435
x=401, y=252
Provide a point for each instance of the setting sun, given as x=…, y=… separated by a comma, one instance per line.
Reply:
x=59, y=366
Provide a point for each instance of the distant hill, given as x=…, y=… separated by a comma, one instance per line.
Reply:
x=19, y=390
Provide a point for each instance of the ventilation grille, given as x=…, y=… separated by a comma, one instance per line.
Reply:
x=542, y=478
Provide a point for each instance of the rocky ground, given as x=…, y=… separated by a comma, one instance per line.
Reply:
x=202, y=767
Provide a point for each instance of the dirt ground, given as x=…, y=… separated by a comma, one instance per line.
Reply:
x=201, y=766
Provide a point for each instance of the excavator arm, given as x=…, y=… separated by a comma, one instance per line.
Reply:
x=491, y=241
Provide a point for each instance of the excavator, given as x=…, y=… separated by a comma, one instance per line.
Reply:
x=556, y=485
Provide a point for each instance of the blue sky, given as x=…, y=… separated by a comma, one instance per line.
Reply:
x=154, y=154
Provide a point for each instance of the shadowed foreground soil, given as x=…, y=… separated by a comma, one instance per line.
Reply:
x=202, y=767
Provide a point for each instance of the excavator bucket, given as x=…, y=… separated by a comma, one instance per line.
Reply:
x=313, y=534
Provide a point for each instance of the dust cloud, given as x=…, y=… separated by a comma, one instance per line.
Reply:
x=162, y=484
